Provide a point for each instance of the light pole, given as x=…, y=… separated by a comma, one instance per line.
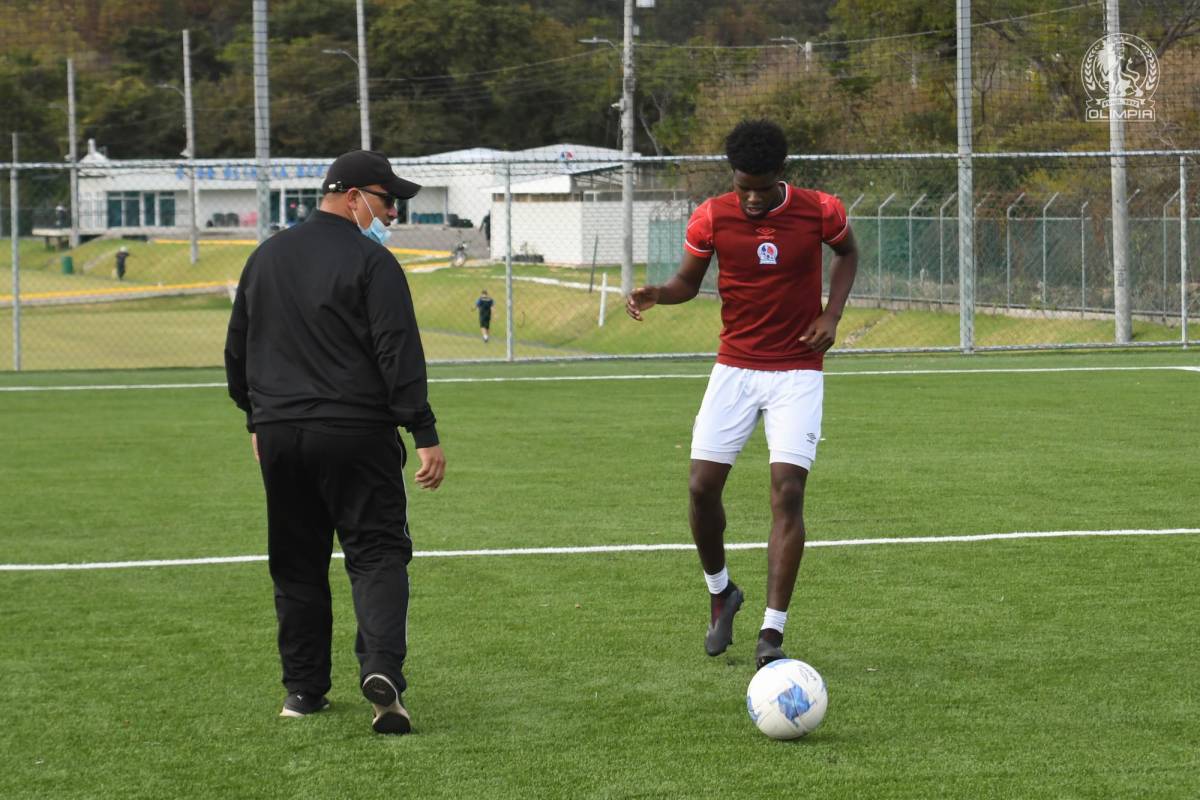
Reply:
x=627, y=84
x=72, y=153
x=189, y=125
x=364, y=115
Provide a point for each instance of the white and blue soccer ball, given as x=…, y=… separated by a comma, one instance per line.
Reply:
x=787, y=699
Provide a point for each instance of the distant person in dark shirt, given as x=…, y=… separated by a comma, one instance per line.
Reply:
x=60, y=215
x=484, y=305
x=122, y=254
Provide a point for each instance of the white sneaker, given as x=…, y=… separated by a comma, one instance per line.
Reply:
x=390, y=714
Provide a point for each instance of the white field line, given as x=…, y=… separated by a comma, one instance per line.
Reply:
x=567, y=378
x=616, y=548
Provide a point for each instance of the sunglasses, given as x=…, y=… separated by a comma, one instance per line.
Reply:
x=389, y=199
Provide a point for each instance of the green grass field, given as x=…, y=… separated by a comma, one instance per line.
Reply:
x=548, y=321
x=1030, y=668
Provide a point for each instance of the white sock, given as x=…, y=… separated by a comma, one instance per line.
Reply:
x=717, y=583
x=775, y=620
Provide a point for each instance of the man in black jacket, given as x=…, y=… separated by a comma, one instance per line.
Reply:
x=324, y=356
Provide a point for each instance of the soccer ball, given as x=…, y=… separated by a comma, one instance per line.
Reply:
x=787, y=699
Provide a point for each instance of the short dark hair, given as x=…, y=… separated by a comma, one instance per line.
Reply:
x=756, y=147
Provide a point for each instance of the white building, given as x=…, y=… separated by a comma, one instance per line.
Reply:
x=566, y=199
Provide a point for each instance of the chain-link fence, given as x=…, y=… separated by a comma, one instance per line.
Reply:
x=116, y=282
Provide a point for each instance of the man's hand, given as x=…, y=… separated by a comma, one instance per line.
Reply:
x=639, y=300
x=821, y=334
x=433, y=467
x=254, y=446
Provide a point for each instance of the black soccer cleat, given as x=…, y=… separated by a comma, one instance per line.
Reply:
x=720, y=633
x=301, y=704
x=766, y=652
x=390, y=714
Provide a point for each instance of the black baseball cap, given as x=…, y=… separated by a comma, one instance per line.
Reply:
x=360, y=168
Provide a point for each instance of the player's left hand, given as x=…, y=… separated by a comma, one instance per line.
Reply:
x=821, y=335
x=433, y=467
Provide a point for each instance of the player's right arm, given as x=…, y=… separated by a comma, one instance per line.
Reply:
x=683, y=286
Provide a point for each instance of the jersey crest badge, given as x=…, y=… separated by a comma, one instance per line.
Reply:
x=768, y=253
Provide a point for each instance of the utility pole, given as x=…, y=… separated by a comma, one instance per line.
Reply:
x=72, y=153
x=262, y=119
x=364, y=113
x=190, y=125
x=1122, y=310
x=627, y=80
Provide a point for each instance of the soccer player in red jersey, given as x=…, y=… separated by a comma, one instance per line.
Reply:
x=767, y=236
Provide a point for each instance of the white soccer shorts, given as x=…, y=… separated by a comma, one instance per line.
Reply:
x=790, y=402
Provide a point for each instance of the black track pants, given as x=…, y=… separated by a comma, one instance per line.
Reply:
x=317, y=483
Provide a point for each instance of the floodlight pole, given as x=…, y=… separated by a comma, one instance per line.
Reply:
x=364, y=113
x=1122, y=311
x=72, y=153
x=190, y=124
x=1008, y=251
x=966, y=182
x=627, y=83
x=262, y=119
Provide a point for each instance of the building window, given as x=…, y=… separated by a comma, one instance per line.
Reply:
x=166, y=209
x=141, y=209
x=123, y=210
x=298, y=204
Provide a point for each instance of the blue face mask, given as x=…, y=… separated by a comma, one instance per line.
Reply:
x=376, y=231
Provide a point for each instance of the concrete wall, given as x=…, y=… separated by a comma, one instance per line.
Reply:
x=568, y=231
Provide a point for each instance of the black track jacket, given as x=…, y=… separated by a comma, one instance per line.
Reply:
x=323, y=331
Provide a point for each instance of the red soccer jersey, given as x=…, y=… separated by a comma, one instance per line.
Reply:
x=770, y=273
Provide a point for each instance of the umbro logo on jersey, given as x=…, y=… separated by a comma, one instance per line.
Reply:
x=765, y=233
x=768, y=253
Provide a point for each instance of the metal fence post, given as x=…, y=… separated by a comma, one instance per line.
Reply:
x=1170, y=200
x=14, y=233
x=942, y=251
x=879, y=243
x=850, y=212
x=911, y=208
x=1183, y=251
x=1045, y=208
x=1008, y=251
x=508, y=272
x=1083, y=259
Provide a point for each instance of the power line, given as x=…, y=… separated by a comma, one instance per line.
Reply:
x=871, y=40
